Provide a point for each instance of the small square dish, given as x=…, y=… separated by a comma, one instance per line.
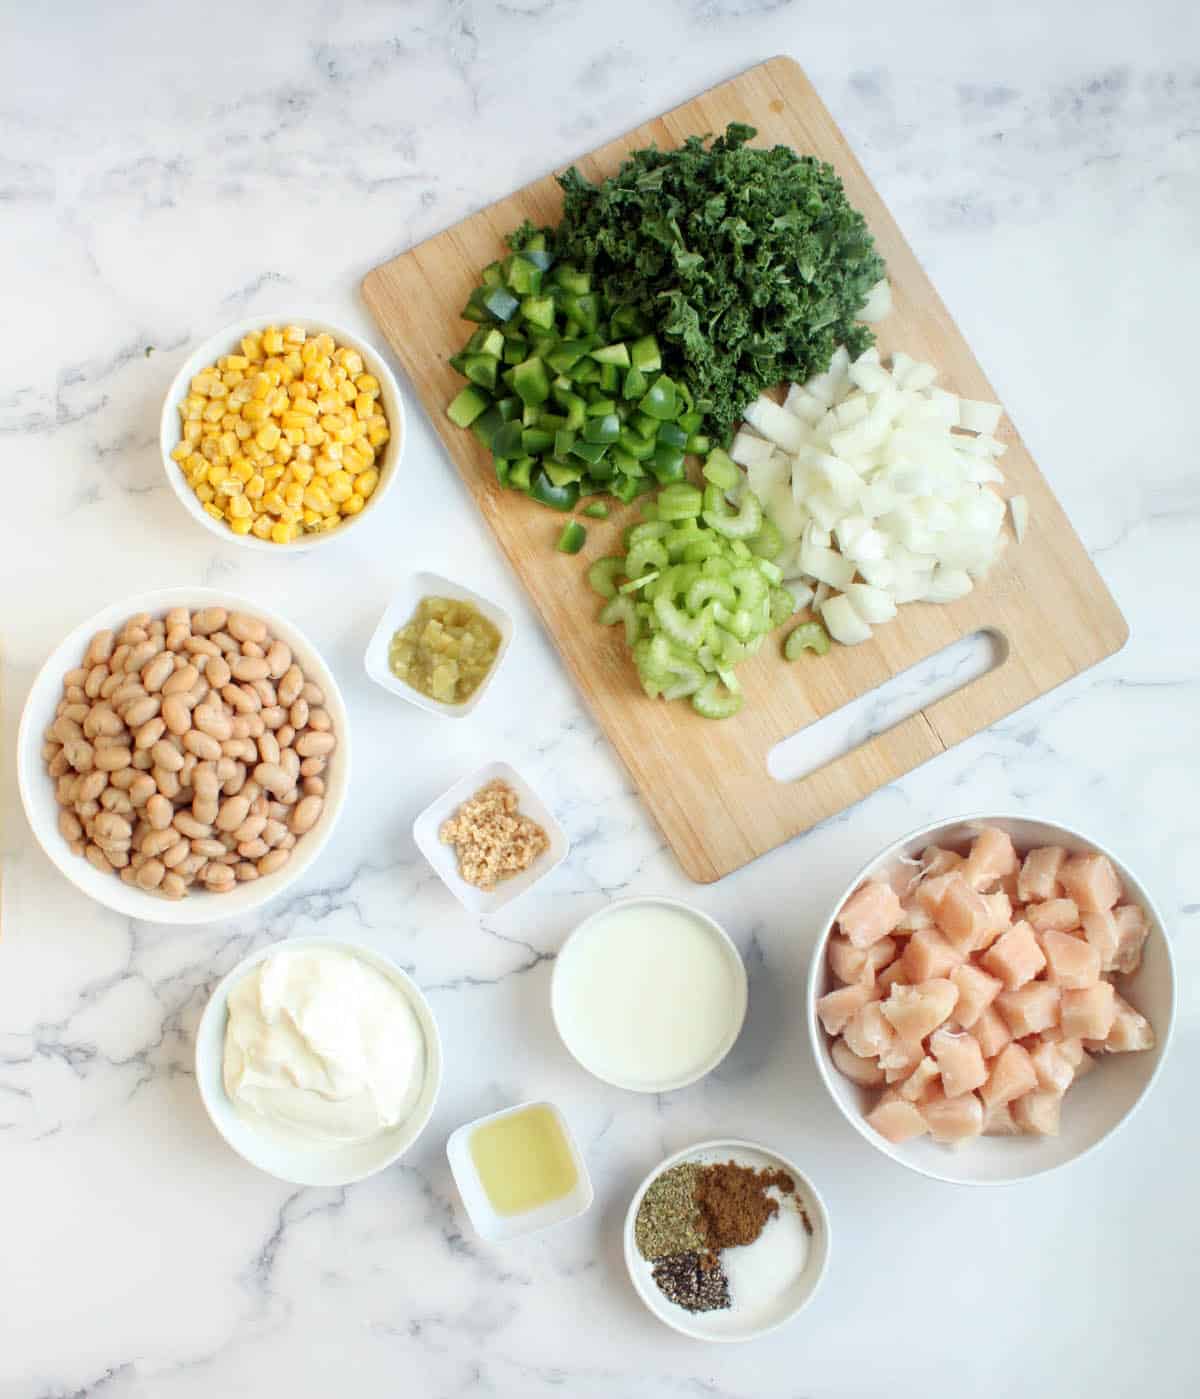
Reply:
x=444, y=858
x=557, y=1169
x=400, y=610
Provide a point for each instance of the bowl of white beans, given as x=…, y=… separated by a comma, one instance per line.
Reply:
x=183, y=756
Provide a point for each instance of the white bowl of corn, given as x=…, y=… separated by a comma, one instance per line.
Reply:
x=282, y=432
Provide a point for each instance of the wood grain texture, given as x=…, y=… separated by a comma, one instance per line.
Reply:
x=707, y=782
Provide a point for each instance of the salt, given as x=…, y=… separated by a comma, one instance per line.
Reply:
x=759, y=1272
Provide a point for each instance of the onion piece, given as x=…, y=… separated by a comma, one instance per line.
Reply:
x=1019, y=507
x=978, y=417
x=878, y=303
x=842, y=622
x=872, y=604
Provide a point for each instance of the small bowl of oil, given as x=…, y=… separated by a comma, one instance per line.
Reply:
x=519, y=1171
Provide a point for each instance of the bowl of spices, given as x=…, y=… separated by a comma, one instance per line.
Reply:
x=725, y=1241
x=438, y=645
x=490, y=838
x=519, y=1171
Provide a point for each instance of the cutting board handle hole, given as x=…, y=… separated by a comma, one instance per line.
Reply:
x=834, y=735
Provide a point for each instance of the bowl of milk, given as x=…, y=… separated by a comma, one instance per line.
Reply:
x=648, y=994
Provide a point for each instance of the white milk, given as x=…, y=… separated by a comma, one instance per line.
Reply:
x=648, y=996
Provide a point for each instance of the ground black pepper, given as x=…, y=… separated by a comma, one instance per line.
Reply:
x=695, y=1282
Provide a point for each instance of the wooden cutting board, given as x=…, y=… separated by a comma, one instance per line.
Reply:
x=707, y=782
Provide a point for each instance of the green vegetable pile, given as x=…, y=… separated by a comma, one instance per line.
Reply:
x=749, y=265
x=695, y=589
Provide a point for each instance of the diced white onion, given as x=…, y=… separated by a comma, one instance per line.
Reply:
x=878, y=302
x=842, y=621
x=879, y=482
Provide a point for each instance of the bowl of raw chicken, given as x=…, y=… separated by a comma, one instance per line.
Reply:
x=991, y=999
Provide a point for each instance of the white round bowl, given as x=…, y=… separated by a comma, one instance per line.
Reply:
x=37, y=787
x=227, y=342
x=737, y=1010
x=275, y=1152
x=1094, y=1106
x=733, y=1324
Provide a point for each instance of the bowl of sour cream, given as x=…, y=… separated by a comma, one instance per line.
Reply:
x=318, y=1060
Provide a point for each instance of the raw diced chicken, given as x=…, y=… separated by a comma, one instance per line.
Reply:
x=1091, y=881
x=870, y=913
x=931, y=891
x=1130, y=1030
x=998, y=1121
x=962, y=915
x=887, y=978
x=867, y=1033
x=916, y=1011
x=1072, y=963
x=904, y=876
x=959, y=1061
x=862, y=1071
x=1000, y=911
x=1054, y=1070
x=1132, y=927
x=976, y=991
x=992, y=857
x=1100, y=930
x=838, y=1006
x=953, y=1119
x=928, y=954
x=851, y=964
x=935, y=861
x=1012, y=1074
x=1039, y=874
x=897, y=1121
x=1062, y=914
x=1032, y=1007
x=1089, y=1014
x=913, y=917
x=1015, y=956
x=1008, y=886
x=900, y=1059
x=917, y=1084
x=1038, y=1112
x=991, y=1032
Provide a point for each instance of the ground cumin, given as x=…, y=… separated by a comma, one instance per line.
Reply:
x=733, y=1202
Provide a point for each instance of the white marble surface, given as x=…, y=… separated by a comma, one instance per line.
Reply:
x=164, y=169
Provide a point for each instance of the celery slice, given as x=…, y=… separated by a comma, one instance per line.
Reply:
x=603, y=575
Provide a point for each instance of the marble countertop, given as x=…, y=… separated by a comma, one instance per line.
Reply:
x=166, y=170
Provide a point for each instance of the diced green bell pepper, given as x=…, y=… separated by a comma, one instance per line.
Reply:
x=543, y=490
x=572, y=538
x=530, y=381
x=466, y=407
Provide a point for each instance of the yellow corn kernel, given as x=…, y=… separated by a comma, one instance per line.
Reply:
x=304, y=408
x=268, y=436
x=235, y=362
x=217, y=473
x=256, y=411
x=302, y=471
x=291, y=514
x=340, y=485
x=197, y=475
x=353, y=505
x=260, y=385
x=210, y=430
x=252, y=345
x=327, y=382
x=350, y=360
x=273, y=368
x=317, y=498
x=242, y=469
x=354, y=461
x=229, y=444
x=367, y=383
x=325, y=343
x=284, y=451
x=271, y=474
x=345, y=391
x=294, y=422
x=214, y=411
x=191, y=432
x=214, y=511
x=230, y=486
x=261, y=528
x=273, y=502
x=311, y=518
x=181, y=452
x=240, y=508
x=293, y=434
x=366, y=483
x=210, y=449
x=278, y=401
x=377, y=436
x=295, y=334
x=330, y=522
x=272, y=340
x=364, y=405
x=314, y=435
x=326, y=465
x=282, y=532
x=255, y=488
x=339, y=373
x=202, y=383
x=241, y=524
x=304, y=452
x=293, y=494
x=205, y=494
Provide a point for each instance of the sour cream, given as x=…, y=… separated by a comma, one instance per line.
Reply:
x=322, y=1044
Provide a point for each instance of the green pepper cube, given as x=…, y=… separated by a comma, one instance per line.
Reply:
x=538, y=311
x=531, y=382
x=466, y=407
x=672, y=435
x=645, y=355
x=481, y=370
x=543, y=490
x=572, y=538
x=606, y=429
x=523, y=278
x=500, y=303
x=660, y=400
x=635, y=384
x=612, y=354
